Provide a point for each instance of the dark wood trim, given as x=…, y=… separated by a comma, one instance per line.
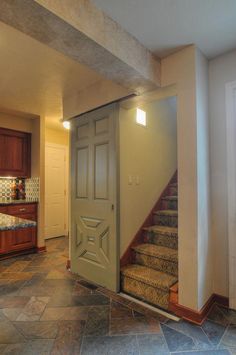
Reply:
x=198, y=317
x=127, y=257
x=41, y=249
x=68, y=264
x=174, y=294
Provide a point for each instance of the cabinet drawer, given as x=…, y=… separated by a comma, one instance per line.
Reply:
x=22, y=209
x=3, y=209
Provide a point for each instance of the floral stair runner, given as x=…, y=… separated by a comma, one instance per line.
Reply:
x=155, y=262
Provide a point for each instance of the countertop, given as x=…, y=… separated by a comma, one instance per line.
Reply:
x=8, y=222
x=5, y=201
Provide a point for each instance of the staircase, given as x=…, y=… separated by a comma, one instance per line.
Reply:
x=154, y=266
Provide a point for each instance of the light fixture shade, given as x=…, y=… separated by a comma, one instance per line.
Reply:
x=141, y=117
x=66, y=124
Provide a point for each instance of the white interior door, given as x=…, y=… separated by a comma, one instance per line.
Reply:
x=55, y=191
x=94, y=237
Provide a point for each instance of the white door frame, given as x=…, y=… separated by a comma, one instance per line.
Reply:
x=66, y=148
x=231, y=177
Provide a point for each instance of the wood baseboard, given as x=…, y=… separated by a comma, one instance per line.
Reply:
x=127, y=257
x=41, y=249
x=198, y=317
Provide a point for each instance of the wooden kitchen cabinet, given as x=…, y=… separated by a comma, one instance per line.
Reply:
x=17, y=240
x=15, y=157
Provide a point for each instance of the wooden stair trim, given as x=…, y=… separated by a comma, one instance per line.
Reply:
x=127, y=257
x=196, y=317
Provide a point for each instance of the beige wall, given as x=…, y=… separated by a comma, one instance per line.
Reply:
x=148, y=154
x=205, y=252
x=221, y=71
x=57, y=136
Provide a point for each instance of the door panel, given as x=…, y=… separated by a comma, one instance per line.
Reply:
x=94, y=237
x=55, y=187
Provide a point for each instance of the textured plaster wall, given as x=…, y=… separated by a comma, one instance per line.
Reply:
x=149, y=155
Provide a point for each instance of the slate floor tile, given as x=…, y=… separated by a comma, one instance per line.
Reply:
x=120, y=311
x=139, y=325
x=214, y=331
x=208, y=352
x=12, y=313
x=69, y=338
x=217, y=316
x=38, y=347
x=122, y=345
x=98, y=321
x=17, y=266
x=177, y=341
x=229, y=338
x=33, y=309
x=9, y=334
x=65, y=313
x=152, y=344
x=229, y=314
x=13, y=301
x=90, y=300
x=195, y=332
x=37, y=330
x=45, y=309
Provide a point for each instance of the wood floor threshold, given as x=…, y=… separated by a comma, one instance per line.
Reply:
x=152, y=308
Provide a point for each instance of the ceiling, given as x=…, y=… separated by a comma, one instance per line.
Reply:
x=35, y=78
x=165, y=26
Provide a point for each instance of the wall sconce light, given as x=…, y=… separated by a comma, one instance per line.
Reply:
x=66, y=124
x=141, y=117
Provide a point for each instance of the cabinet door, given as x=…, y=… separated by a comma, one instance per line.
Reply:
x=23, y=239
x=15, y=153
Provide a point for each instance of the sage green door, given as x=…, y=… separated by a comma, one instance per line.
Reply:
x=94, y=232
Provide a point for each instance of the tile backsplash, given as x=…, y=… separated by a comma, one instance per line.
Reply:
x=31, y=188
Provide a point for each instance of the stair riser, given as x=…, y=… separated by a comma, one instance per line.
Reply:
x=163, y=240
x=145, y=292
x=166, y=266
x=173, y=191
x=170, y=221
x=169, y=204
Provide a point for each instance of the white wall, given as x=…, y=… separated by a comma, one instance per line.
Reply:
x=221, y=71
x=187, y=69
x=150, y=154
x=179, y=68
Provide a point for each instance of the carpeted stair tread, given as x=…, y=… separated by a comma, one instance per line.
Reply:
x=162, y=230
x=170, y=198
x=173, y=213
x=149, y=276
x=157, y=251
x=174, y=184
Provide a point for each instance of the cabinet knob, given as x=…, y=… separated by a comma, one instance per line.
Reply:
x=22, y=209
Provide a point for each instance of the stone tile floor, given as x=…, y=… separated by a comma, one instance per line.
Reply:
x=44, y=309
